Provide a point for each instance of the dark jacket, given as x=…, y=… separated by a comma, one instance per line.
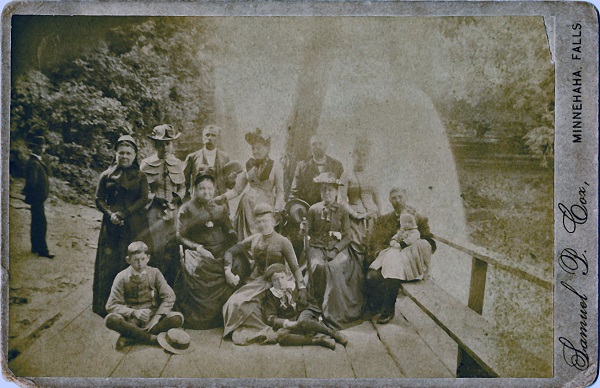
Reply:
x=275, y=314
x=195, y=161
x=322, y=220
x=303, y=186
x=36, y=181
x=387, y=225
x=207, y=224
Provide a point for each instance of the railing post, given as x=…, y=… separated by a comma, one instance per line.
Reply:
x=477, y=287
x=466, y=365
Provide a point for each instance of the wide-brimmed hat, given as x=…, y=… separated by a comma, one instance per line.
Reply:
x=164, y=132
x=176, y=341
x=328, y=178
x=232, y=167
x=297, y=209
x=273, y=269
x=256, y=136
x=127, y=139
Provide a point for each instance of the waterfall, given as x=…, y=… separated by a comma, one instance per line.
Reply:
x=258, y=71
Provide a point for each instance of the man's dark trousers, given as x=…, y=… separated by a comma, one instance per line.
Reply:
x=38, y=229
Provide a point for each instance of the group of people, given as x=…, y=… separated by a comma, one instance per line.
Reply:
x=170, y=254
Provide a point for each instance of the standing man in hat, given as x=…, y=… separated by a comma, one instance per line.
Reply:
x=36, y=192
x=207, y=161
x=167, y=189
x=303, y=185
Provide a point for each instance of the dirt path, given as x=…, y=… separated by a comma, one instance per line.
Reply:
x=36, y=284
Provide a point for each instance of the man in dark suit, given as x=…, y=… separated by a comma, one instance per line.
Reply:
x=382, y=292
x=303, y=186
x=36, y=192
x=208, y=160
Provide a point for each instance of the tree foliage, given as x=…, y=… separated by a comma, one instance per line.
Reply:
x=516, y=99
x=137, y=76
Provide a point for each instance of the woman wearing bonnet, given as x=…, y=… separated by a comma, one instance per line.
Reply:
x=122, y=196
x=262, y=181
x=205, y=232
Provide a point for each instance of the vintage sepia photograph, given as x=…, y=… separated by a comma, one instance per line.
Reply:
x=307, y=197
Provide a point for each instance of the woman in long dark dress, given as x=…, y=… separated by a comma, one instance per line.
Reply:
x=121, y=196
x=205, y=231
x=335, y=265
x=166, y=182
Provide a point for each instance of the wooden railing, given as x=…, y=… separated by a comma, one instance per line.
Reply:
x=482, y=255
x=482, y=351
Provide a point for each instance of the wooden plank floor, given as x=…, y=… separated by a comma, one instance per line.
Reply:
x=84, y=347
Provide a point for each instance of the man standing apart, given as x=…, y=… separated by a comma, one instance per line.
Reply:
x=36, y=192
x=303, y=185
x=207, y=161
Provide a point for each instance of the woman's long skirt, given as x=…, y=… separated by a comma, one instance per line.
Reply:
x=337, y=285
x=110, y=260
x=201, y=290
x=165, y=254
x=242, y=314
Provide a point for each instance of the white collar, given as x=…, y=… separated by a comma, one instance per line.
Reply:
x=134, y=272
x=321, y=161
x=210, y=152
x=37, y=156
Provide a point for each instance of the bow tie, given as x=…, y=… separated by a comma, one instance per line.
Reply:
x=327, y=211
x=258, y=163
x=137, y=277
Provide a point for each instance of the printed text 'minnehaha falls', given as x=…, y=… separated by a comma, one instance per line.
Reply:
x=577, y=101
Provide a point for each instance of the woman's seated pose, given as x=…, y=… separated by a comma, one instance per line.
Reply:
x=205, y=232
x=242, y=313
x=335, y=268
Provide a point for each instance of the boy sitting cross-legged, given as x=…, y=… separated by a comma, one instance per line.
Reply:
x=295, y=324
x=140, y=301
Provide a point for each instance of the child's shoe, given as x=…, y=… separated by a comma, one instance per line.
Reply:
x=324, y=341
x=123, y=342
x=340, y=338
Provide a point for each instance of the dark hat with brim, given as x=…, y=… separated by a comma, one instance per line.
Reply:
x=297, y=209
x=273, y=269
x=232, y=167
x=262, y=208
x=257, y=136
x=164, y=132
x=176, y=341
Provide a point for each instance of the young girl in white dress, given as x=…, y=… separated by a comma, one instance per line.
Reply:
x=394, y=261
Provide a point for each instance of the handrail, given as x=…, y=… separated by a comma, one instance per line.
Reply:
x=468, y=365
x=499, y=261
